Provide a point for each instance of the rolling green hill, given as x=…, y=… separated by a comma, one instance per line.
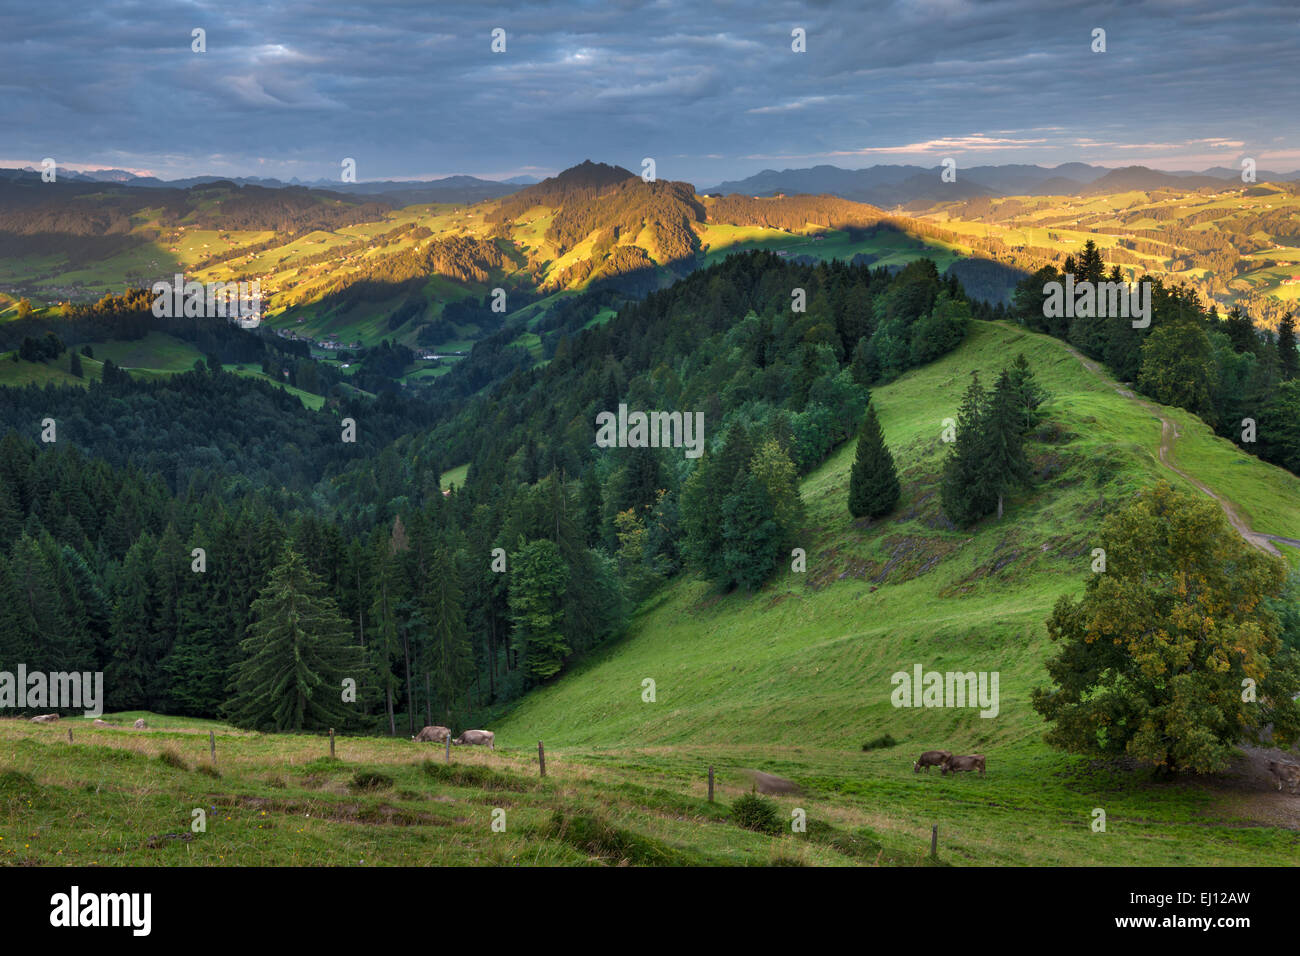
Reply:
x=793, y=679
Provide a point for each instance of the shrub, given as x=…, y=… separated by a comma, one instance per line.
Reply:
x=879, y=743
x=756, y=813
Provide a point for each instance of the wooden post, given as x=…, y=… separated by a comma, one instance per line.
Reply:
x=331, y=743
x=69, y=735
x=934, y=841
x=541, y=757
x=449, y=746
x=710, y=783
x=212, y=742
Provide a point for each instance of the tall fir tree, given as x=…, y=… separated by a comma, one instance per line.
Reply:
x=298, y=652
x=538, y=578
x=965, y=489
x=451, y=659
x=873, y=483
x=385, y=641
x=750, y=532
x=1288, y=357
x=131, y=674
x=1003, y=429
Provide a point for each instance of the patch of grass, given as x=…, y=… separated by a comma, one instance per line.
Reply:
x=880, y=743
x=371, y=780
x=595, y=836
x=172, y=759
x=477, y=776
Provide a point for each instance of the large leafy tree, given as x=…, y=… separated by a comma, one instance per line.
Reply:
x=299, y=651
x=1173, y=655
x=1178, y=367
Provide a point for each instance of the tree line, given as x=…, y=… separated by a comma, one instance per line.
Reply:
x=1242, y=380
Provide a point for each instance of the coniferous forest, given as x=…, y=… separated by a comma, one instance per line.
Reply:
x=178, y=532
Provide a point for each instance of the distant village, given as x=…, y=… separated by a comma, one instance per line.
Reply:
x=331, y=343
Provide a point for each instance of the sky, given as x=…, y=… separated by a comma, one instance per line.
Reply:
x=710, y=91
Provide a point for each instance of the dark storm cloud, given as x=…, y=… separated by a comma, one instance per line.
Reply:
x=710, y=91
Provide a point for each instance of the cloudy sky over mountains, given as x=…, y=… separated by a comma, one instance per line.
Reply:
x=711, y=91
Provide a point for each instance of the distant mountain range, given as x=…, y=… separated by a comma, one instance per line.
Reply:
x=883, y=186
x=450, y=189
x=887, y=186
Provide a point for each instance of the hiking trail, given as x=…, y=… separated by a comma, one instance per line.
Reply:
x=1168, y=435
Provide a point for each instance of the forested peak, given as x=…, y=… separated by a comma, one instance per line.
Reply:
x=586, y=173
x=576, y=184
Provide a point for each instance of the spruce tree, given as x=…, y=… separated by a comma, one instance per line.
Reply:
x=750, y=533
x=702, y=546
x=450, y=657
x=1090, y=268
x=385, y=647
x=298, y=652
x=129, y=675
x=873, y=482
x=1005, y=463
x=1027, y=393
x=538, y=578
x=1288, y=357
x=965, y=491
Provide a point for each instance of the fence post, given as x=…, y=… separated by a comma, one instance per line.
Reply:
x=449, y=746
x=541, y=757
x=212, y=743
x=710, y=783
x=934, y=841
x=331, y=743
x=69, y=735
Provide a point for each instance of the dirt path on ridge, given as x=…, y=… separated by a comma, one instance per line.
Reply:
x=1168, y=435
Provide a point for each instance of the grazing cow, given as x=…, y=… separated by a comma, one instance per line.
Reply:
x=45, y=719
x=102, y=723
x=958, y=764
x=432, y=735
x=770, y=783
x=1287, y=773
x=931, y=758
x=140, y=724
x=477, y=738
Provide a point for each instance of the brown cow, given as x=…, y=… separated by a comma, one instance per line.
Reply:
x=931, y=758
x=432, y=735
x=957, y=764
x=1287, y=773
x=477, y=738
x=45, y=719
